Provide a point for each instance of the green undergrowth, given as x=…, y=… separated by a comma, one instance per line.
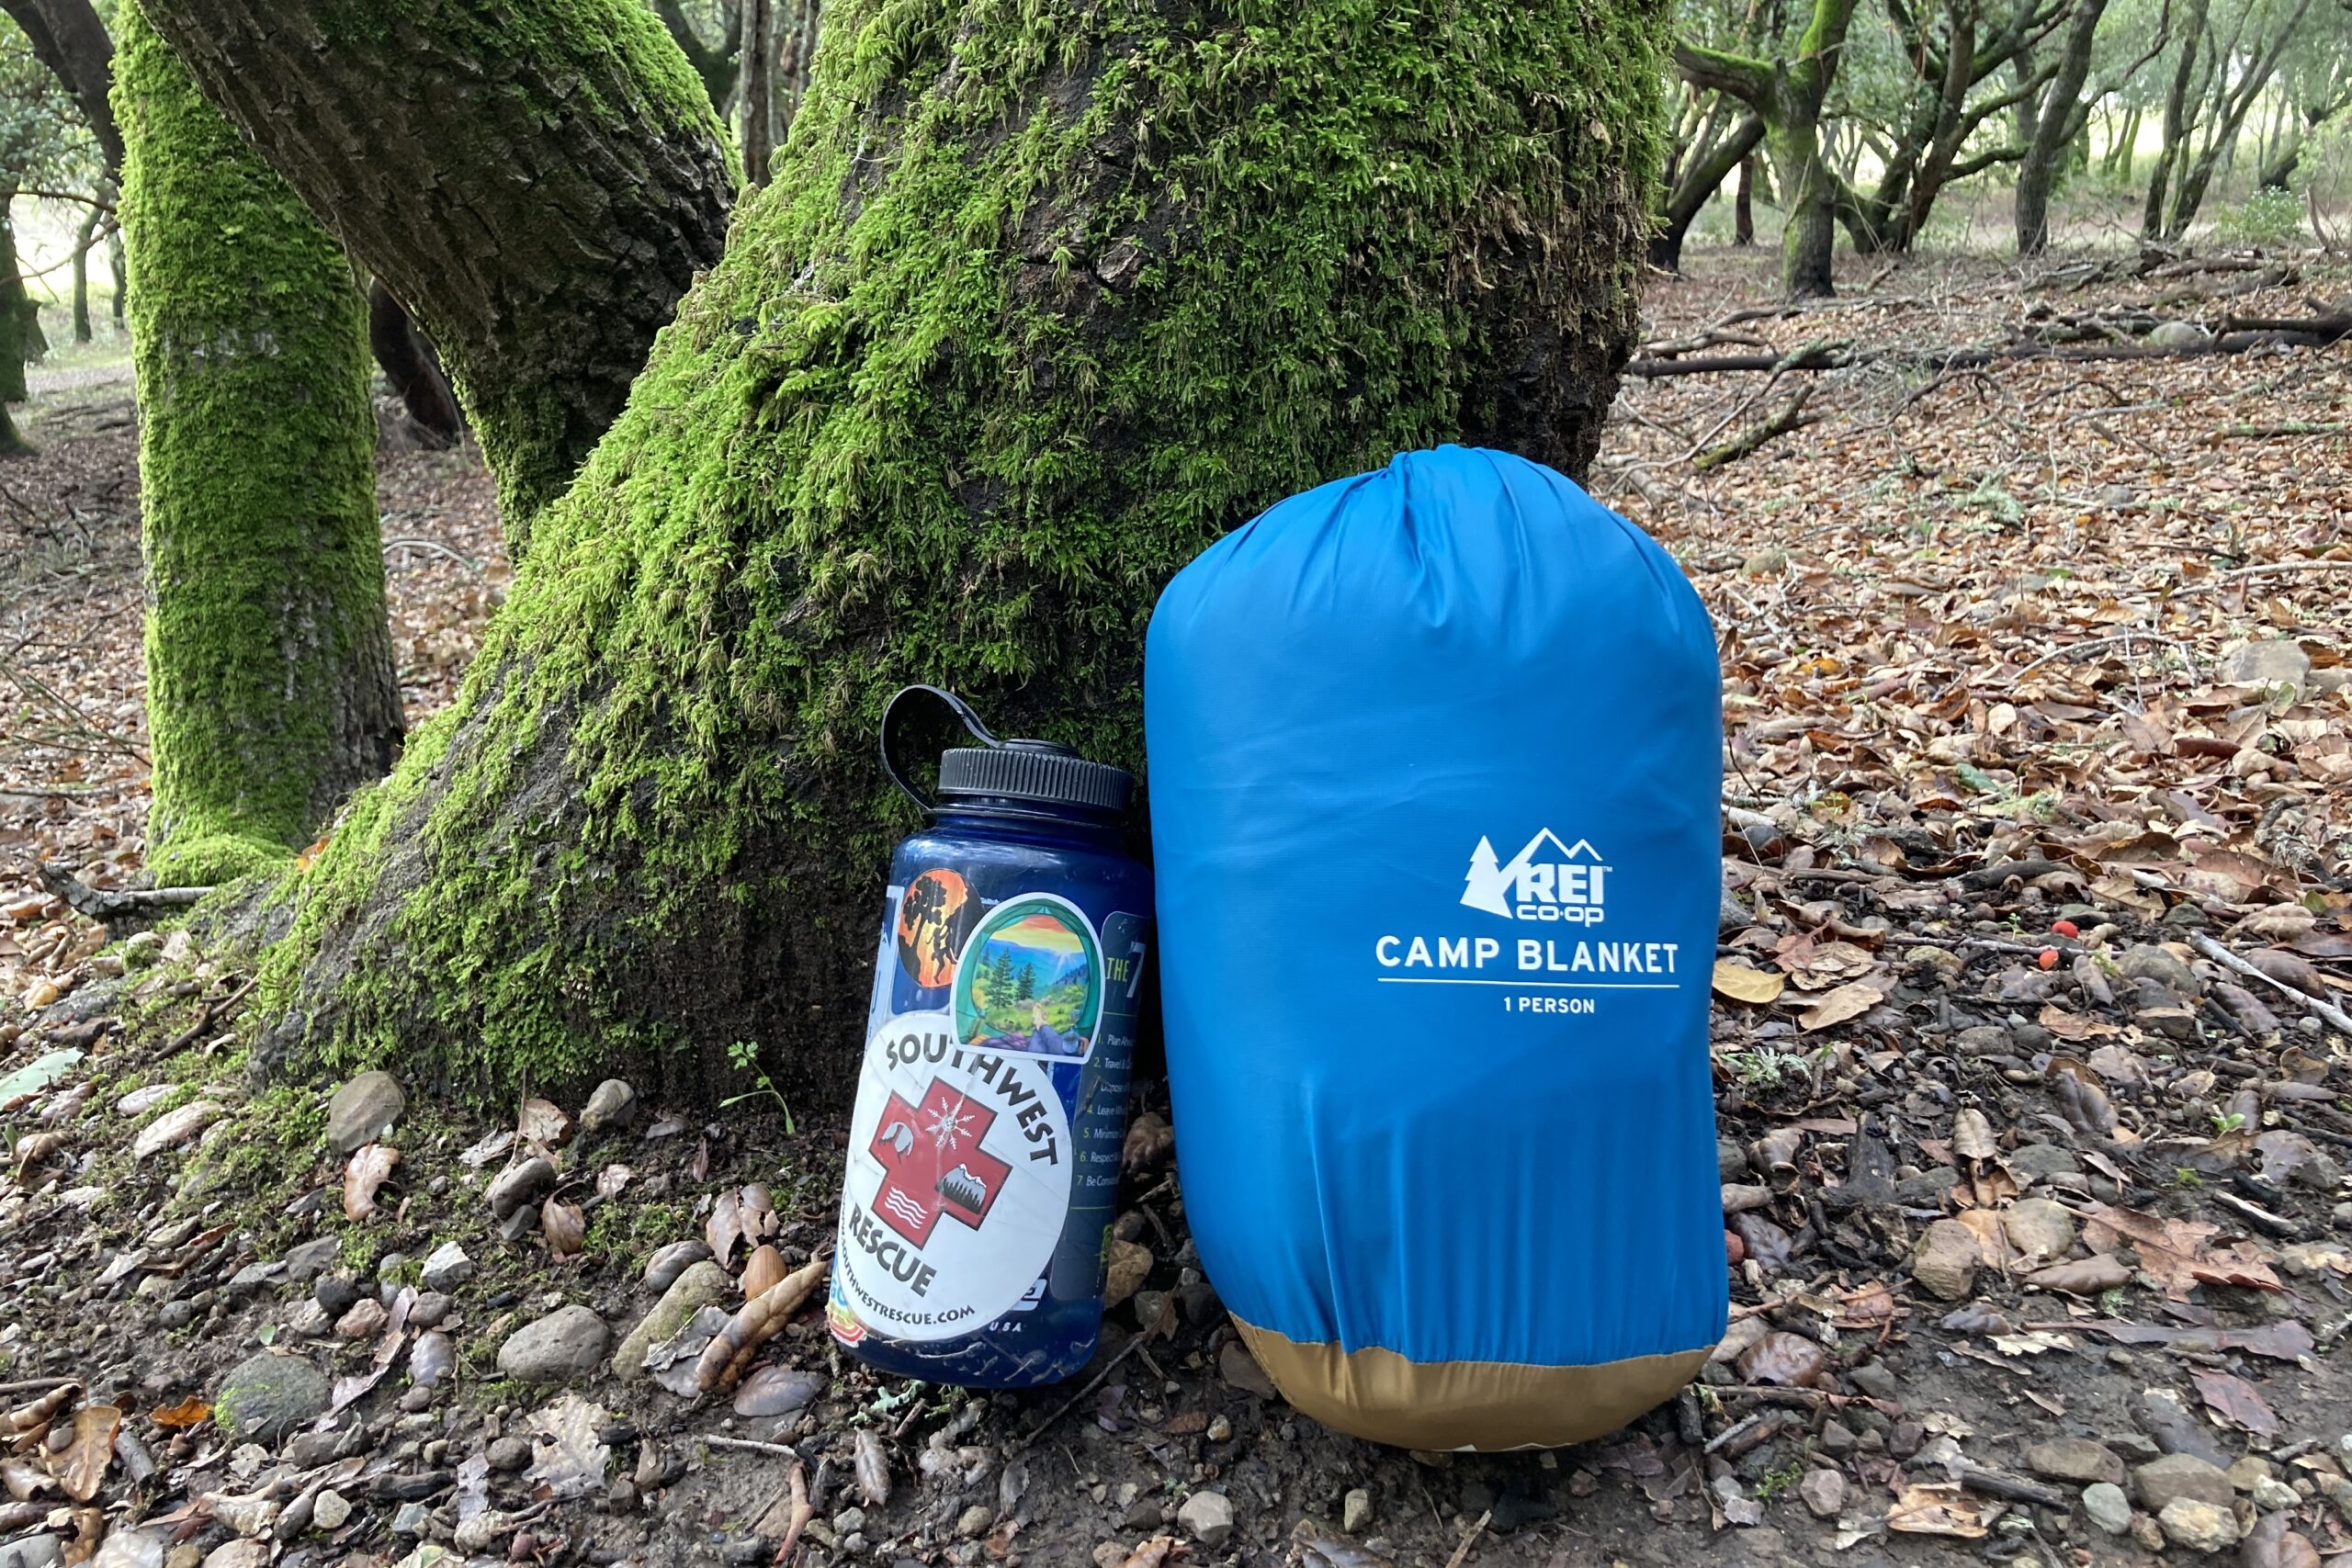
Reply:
x=1042, y=301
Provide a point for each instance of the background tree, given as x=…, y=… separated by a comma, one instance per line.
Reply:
x=270, y=692
x=1714, y=134
x=2221, y=64
x=1787, y=92
x=2058, y=116
x=1038, y=304
x=43, y=145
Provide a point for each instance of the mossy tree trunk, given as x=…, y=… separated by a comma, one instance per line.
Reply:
x=15, y=305
x=270, y=692
x=1039, y=302
x=537, y=182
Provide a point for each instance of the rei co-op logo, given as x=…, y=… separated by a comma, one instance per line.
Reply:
x=1548, y=880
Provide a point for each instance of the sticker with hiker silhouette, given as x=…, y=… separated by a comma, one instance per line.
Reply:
x=1030, y=979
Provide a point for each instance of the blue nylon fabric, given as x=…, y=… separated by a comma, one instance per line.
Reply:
x=1342, y=699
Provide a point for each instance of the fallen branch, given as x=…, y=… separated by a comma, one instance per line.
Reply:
x=2015, y=1488
x=2092, y=645
x=2333, y=1017
x=750, y=1446
x=103, y=905
x=2237, y=337
x=1791, y=416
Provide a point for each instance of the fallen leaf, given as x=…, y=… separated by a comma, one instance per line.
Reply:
x=189, y=1412
x=82, y=1468
x=542, y=1121
x=370, y=1167
x=2175, y=1250
x=1788, y=1359
x=1742, y=984
x=612, y=1180
x=1849, y=1001
x=1940, y=1509
x=567, y=1459
x=2235, y=1400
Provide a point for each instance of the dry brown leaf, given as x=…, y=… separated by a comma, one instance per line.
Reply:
x=565, y=1227
x=82, y=1468
x=2235, y=1400
x=725, y=1226
x=2174, y=1251
x=2087, y=1278
x=370, y=1167
x=1972, y=1136
x=1742, y=984
x=542, y=1121
x=1849, y=1001
x=1940, y=1509
x=189, y=1412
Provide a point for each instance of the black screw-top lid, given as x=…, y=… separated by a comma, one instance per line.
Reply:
x=1042, y=771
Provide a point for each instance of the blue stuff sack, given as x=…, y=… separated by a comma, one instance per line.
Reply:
x=1435, y=775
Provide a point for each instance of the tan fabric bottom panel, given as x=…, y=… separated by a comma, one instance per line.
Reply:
x=1379, y=1394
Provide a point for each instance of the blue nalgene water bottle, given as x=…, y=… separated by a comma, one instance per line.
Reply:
x=984, y=1152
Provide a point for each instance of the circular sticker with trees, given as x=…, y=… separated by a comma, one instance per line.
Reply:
x=1031, y=980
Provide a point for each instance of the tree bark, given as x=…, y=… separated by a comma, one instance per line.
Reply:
x=1041, y=302
x=2176, y=120
x=68, y=36
x=86, y=237
x=270, y=692
x=2238, y=95
x=1743, y=208
x=412, y=367
x=2054, y=127
x=759, y=89
x=540, y=181
x=13, y=348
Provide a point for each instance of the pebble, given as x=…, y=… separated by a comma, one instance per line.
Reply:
x=1207, y=1517
x=699, y=1285
x=264, y=1395
x=1945, y=1260
x=447, y=1267
x=519, y=1184
x=1240, y=1370
x=313, y=1258
x=613, y=1105
x=2148, y=962
x=2109, y=1509
x=430, y=1310
x=2075, y=1459
x=2199, y=1526
x=2175, y=1476
x=173, y=1128
x=507, y=1455
x=431, y=1357
x=364, y=1318
x=2269, y=662
x=1873, y=1379
x=33, y=1551
x=1355, y=1513
x=131, y=1548
x=329, y=1510
x=662, y=1270
x=2040, y=1162
x=363, y=1111
x=2037, y=1227
x=336, y=1293
x=2272, y=1494
x=566, y=1345
x=1823, y=1491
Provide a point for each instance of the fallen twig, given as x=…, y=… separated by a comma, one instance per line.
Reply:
x=1469, y=1539
x=2015, y=1488
x=1791, y=416
x=108, y=905
x=2335, y=1017
x=750, y=1444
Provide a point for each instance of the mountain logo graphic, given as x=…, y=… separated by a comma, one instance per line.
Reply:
x=1549, y=879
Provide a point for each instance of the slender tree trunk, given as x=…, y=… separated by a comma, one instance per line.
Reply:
x=1109, y=280
x=270, y=692
x=1808, y=197
x=2192, y=38
x=540, y=183
x=13, y=352
x=1743, y=210
x=759, y=89
x=2054, y=127
x=2237, y=96
x=798, y=47
x=2121, y=156
x=1710, y=164
x=86, y=237
x=121, y=271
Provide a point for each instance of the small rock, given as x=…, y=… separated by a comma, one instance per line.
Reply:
x=139, y=1101
x=410, y=1519
x=507, y=1455
x=363, y=1111
x=2037, y=1227
x=329, y=1510
x=1823, y=1491
x=519, y=1184
x=264, y=1395
x=1838, y=1439
x=702, y=1284
x=566, y=1345
x=1945, y=1260
x=2175, y=1430
x=2040, y=1162
x=523, y=1222
x=1873, y=1379
x=2264, y=663
x=662, y=1270
x=1240, y=1370
x=776, y=1391
x=1355, y=1512
x=2199, y=1526
x=335, y=1292
x=2178, y=334
x=973, y=1521
x=365, y=1317
x=1207, y=1517
x=1983, y=1040
x=36, y=1551
x=313, y=1258
x=2147, y=962
x=2270, y=1494
x=2176, y=1476
x=132, y=1549
x=173, y=1128
x=613, y=1105
x=2076, y=1459
x=2109, y=1509
x=430, y=1310
x=447, y=1267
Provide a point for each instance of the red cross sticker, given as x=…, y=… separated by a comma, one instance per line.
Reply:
x=935, y=1163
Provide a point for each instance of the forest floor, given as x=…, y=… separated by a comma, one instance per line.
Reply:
x=2029, y=1022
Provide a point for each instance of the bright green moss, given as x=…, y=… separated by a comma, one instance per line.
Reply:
x=1043, y=299
x=267, y=656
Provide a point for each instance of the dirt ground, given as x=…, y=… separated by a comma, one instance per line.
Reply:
x=2036, y=940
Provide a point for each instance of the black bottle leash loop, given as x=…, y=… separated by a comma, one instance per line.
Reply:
x=964, y=716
